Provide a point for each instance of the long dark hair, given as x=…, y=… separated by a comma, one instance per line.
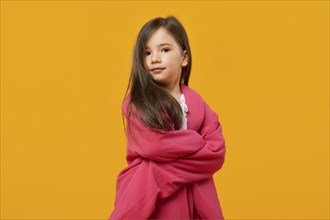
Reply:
x=156, y=107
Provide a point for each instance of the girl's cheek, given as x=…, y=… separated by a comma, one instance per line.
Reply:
x=145, y=62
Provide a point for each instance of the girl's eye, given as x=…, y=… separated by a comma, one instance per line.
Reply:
x=147, y=53
x=166, y=49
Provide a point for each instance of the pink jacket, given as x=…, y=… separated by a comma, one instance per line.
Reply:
x=169, y=174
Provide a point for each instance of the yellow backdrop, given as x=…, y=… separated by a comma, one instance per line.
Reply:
x=263, y=66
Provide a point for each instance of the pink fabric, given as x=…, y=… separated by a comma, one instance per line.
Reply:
x=169, y=174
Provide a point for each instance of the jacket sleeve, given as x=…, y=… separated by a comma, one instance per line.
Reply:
x=198, y=165
x=211, y=157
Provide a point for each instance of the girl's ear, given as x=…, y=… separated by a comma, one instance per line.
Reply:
x=185, y=59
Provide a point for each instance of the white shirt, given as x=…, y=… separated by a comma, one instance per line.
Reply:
x=184, y=110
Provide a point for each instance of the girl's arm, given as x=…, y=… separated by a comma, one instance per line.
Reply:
x=193, y=156
x=162, y=147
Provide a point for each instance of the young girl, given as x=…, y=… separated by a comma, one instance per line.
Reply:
x=174, y=139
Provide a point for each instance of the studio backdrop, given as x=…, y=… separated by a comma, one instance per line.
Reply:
x=263, y=66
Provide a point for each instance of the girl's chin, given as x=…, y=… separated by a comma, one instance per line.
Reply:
x=159, y=78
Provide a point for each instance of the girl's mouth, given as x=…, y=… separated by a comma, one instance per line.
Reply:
x=157, y=70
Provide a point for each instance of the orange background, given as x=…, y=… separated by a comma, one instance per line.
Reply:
x=263, y=66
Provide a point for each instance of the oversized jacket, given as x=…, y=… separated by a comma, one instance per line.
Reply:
x=170, y=174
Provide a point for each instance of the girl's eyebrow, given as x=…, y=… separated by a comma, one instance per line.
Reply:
x=164, y=44
x=160, y=45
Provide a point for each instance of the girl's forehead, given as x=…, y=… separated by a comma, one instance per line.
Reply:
x=160, y=38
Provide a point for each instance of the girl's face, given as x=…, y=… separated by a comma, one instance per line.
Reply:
x=164, y=58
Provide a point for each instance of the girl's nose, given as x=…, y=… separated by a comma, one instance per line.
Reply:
x=155, y=58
